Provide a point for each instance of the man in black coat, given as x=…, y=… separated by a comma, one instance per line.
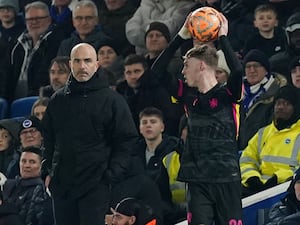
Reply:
x=89, y=133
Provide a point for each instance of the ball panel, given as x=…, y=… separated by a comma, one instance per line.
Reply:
x=204, y=24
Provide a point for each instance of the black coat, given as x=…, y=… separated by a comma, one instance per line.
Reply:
x=88, y=136
x=26, y=200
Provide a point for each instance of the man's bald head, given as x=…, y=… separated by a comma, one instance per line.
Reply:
x=83, y=62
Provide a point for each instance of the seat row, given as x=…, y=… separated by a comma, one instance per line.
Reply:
x=18, y=108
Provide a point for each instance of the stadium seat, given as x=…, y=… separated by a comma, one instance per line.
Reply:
x=3, y=108
x=21, y=107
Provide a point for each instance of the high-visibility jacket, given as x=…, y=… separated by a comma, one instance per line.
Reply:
x=272, y=152
x=172, y=163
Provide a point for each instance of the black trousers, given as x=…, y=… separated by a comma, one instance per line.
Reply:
x=215, y=202
x=89, y=209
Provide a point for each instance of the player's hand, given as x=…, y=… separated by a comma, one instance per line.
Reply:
x=184, y=32
x=224, y=25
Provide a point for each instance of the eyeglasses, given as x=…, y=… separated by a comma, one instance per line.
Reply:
x=36, y=19
x=254, y=65
x=86, y=18
x=6, y=8
x=31, y=131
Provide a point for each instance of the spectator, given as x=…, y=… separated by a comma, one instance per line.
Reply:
x=113, y=16
x=160, y=154
x=141, y=89
x=110, y=59
x=39, y=107
x=222, y=71
x=294, y=69
x=12, y=24
x=157, y=38
x=260, y=86
x=146, y=191
x=9, y=144
x=61, y=15
x=280, y=61
x=33, y=52
x=58, y=74
x=269, y=37
x=25, y=198
x=88, y=133
x=172, y=13
x=286, y=211
x=85, y=20
x=209, y=163
x=133, y=212
x=271, y=156
x=30, y=133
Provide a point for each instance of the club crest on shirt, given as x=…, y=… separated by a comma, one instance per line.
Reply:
x=213, y=103
x=287, y=141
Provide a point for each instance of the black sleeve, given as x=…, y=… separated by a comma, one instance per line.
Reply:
x=159, y=67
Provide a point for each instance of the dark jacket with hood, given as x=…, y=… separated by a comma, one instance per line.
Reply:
x=89, y=133
x=9, y=158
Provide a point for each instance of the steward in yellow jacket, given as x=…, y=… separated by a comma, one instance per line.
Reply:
x=273, y=153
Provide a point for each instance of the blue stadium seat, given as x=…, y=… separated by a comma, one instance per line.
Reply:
x=21, y=107
x=3, y=108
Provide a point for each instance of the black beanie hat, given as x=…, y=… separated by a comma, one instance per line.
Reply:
x=295, y=62
x=111, y=43
x=133, y=207
x=29, y=122
x=161, y=27
x=288, y=93
x=257, y=56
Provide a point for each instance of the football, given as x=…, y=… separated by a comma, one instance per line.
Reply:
x=204, y=24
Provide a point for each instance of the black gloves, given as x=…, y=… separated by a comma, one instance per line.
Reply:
x=255, y=184
x=271, y=182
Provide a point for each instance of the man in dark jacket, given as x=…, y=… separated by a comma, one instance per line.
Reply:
x=25, y=198
x=161, y=158
x=85, y=21
x=31, y=55
x=88, y=138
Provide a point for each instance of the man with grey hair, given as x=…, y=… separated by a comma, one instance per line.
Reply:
x=88, y=136
x=85, y=22
x=31, y=55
